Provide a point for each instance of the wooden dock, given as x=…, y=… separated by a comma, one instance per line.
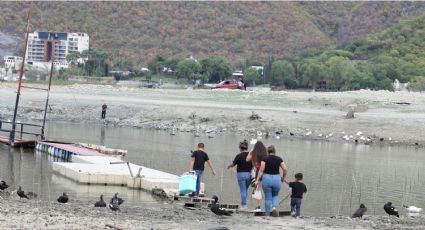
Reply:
x=18, y=142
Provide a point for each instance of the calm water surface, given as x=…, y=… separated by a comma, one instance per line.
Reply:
x=338, y=176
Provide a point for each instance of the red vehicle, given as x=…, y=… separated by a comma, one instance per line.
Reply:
x=227, y=84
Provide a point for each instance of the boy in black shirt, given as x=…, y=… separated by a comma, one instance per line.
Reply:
x=298, y=190
x=197, y=164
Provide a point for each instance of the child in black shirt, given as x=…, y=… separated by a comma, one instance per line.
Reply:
x=298, y=190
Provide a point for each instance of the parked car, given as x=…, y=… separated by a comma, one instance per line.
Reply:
x=227, y=84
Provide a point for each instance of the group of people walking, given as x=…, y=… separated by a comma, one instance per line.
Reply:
x=261, y=169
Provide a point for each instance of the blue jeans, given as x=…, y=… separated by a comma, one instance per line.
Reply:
x=271, y=187
x=296, y=206
x=244, y=179
x=198, y=182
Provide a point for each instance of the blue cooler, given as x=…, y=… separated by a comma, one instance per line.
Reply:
x=187, y=183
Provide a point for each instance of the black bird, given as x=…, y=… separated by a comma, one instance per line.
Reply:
x=116, y=199
x=21, y=193
x=291, y=133
x=100, y=203
x=390, y=210
x=64, y=198
x=115, y=203
x=217, y=210
x=3, y=185
x=360, y=212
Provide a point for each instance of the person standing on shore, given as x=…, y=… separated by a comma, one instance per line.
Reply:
x=104, y=107
x=243, y=172
x=197, y=164
x=298, y=191
x=255, y=156
x=272, y=181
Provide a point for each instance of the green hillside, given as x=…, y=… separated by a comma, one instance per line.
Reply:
x=374, y=62
x=249, y=30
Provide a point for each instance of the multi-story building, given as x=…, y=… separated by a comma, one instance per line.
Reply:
x=48, y=46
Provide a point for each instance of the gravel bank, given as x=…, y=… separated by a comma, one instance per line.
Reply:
x=381, y=117
x=35, y=214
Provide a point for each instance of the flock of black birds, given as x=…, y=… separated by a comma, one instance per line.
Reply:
x=116, y=201
x=388, y=208
x=64, y=198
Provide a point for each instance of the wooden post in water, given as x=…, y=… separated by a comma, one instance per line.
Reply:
x=21, y=74
x=47, y=100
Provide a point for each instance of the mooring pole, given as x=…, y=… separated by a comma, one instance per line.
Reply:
x=21, y=74
x=47, y=101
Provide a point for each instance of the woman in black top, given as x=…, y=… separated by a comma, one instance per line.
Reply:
x=243, y=171
x=271, y=179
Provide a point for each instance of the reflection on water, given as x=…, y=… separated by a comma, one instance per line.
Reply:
x=339, y=176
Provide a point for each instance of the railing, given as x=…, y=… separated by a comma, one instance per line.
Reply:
x=20, y=129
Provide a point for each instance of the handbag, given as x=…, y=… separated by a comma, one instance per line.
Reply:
x=257, y=195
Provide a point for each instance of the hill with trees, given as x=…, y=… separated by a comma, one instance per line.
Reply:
x=138, y=31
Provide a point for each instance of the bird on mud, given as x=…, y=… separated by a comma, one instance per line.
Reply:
x=3, y=185
x=217, y=210
x=360, y=212
x=116, y=198
x=64, y=198
x=100, y=203
x=28, y=195
x=115, y=203
x=412, y=209
x=390, y=210
x=21, y=193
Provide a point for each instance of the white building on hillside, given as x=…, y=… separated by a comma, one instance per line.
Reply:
x=12, y=63
x=47, y=46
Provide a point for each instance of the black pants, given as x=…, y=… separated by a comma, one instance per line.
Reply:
x=103, y=114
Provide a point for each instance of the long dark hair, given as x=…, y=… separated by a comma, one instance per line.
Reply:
x=259, y=152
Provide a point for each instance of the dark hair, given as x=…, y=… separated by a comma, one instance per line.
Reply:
x=259, y=152
x=201, y=145
x=271, y=149
x=299, y=176
x=243, y=145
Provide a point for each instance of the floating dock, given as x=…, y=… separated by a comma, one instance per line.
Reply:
x=88, y=166
x=18, y=142
x=64, y=151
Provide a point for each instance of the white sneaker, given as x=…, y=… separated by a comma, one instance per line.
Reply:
x=243, y=208
x=293, y=214
x=257, y=209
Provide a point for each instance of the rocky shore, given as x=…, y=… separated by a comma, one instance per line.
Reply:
x=18, y=213
x=380, y=117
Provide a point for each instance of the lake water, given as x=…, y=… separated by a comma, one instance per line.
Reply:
x=338, y=176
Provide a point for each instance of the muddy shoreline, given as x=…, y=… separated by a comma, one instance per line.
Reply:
x=36, y=214
x=379, y=120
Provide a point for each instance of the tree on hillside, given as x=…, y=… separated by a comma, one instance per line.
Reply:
x=125, y=64
x=215, y=69
x=417, y=84
x=172, y=62
x=311, y=72
x=72, y=58
x=251, y=75
x=283, y=74
x=341, y=72
x=189, y=69
x=156, y=65
x=95, y=62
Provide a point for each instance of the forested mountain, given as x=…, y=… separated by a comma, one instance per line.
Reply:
x=248, y=30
